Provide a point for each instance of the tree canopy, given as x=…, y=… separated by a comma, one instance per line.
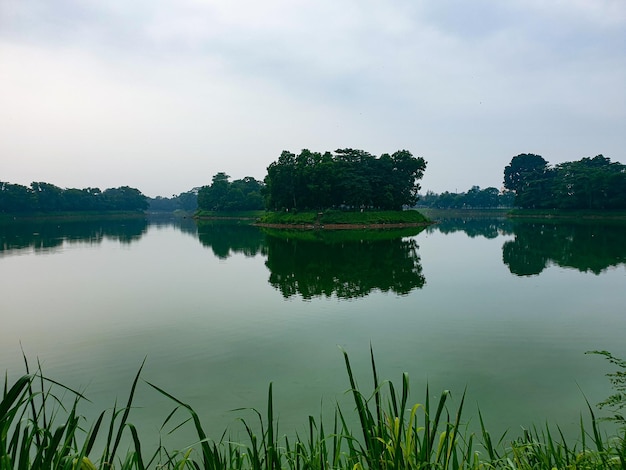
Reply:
x=475, y=198
x=222, y=195
x=587, y=184
x=46, y=197
x=347, y=178
x=187, y=201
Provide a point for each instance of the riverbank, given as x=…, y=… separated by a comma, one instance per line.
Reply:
x=568, y=215
x=69, y=216
x=436, y=214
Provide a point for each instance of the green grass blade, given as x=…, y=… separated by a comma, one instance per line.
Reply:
x=122, y=423
x=11, y=397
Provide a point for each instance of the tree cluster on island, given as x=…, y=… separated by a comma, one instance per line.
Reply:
x=48, y=198
x=587, y=184
x=347, y=178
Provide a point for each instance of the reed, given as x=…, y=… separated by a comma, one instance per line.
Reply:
x=41, y=428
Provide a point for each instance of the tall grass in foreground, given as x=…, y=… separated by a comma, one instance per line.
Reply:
x=39, y=431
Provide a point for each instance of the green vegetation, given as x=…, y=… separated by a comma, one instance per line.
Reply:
x=587, y=184
x=47, y=198
x=332, y=217
x=39, y=430
x=254, y=214
x=289, y=218
x=475, y=198
x=347, y=178
x=187, y=202
x=223, y=196
x=617, y=401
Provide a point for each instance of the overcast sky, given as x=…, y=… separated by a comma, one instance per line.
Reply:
x=162, y=94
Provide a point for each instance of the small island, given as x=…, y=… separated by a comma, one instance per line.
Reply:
x=347, y=189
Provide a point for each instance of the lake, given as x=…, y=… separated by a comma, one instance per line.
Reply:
x=504, y=309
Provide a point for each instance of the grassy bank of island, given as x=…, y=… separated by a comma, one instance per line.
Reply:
x=337, y=219
x=41, y=428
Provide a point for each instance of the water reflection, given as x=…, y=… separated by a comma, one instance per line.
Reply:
x=587, y=247
x=51, y=235
x=228, y=237
x=474, y=227
x=347, y=264
x=186, y=225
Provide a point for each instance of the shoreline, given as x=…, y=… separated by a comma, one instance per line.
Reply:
x=344, y=226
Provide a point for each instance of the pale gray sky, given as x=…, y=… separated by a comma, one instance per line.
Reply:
x=162, y=94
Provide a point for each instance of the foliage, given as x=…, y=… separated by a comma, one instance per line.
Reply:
x=48, y=198
x=239, y=215
x=187, y=201
x=617, y=401
x=39, y=431
x=222, y=195
x=587, y=247
x=475, y=198
x=348, y=178
x=587, y=184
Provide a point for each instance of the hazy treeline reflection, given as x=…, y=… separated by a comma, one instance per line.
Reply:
x=49, y=235
x=474, y=227
x=345, y=263
x=587, y=247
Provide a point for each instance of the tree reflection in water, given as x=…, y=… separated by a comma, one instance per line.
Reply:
x=587, y=247
x=347, y=264
x=228, y=237
x=48, y=235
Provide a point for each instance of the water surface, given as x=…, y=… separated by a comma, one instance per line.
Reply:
x=219, y=311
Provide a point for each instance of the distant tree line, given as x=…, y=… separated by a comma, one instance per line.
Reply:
x=224, y=195
x=587, y=184
x=347, y=178
x=475, y=198
x=187, y=201
x=46, y=197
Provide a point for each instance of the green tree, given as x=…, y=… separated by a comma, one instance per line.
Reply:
x=590, y=183
x=213, y=197
x=530, y=178
x=15, y=198
x=124, y=198
x=187, y=201
x=222, y=195
x=49, y=197
x=522, y=169
x=349, y=178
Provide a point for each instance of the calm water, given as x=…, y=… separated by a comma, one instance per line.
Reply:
x=220, y=310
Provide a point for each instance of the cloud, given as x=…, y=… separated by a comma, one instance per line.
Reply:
x=183, y=89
